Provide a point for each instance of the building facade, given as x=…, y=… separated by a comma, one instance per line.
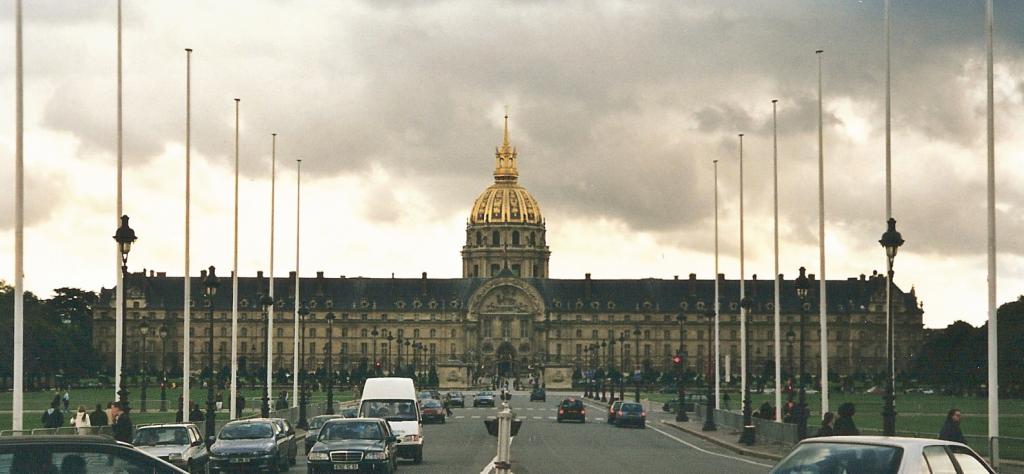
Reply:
x=505, y=314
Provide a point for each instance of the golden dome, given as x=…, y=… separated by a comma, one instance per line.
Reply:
x=505, y=201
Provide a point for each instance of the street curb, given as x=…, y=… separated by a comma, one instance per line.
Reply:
x=729, y=446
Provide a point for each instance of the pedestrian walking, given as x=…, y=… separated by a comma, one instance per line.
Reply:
x=52, y=417
x=240, y=404
x=196, y=414
x=123, y=427
x=788, y=410
x=66, y=399
x=179, y=416
x=219, y=400
x=844, y=424
x=110, y=413
x=951, y=428
x=725, y=400
x=447, y=401
x=827, y=425
x=98, y=417
x=81, y=420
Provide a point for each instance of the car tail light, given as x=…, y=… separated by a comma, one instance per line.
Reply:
x=611, y=410
x=583, y=411
x=561, y=411
x=620, y=412
x=643, y=414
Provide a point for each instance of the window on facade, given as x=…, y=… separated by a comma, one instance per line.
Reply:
x=668, y=334
x=244, y=348
x=280, y=348
x=506, y=328
x=223, y=332
x=579, y=333
x=668, y=350
x=495, y=238
x=312, y=348
x=732, y=334
x=558, y=350
x=495, y=269
x=452, y=353
x=433, y=349
x=416, y=333
x=476, y=270
x=364, y=333
x=223, y=347
x=647, y=350
x=558, y=333
x=522, y=329
x=593, y=334
x=344, y=348
x=516, y=269
x=479, y=238
x=487, y=328
x=579, y=349
x=515, y=238
x=647, y=334
x=280, y=332
x=625, y=318
x=433, y=333
x=363, y=348
x=245, y=332
x=453, y=333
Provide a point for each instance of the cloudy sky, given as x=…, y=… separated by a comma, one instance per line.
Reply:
x=617, y=107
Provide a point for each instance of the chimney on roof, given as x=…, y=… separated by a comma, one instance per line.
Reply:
x=692, y=285
x=782, y=277
x=152, y=273
x=675, y=277
x=753, y=286
x=291, y=275
x=589, y=289
x=810, y=277
x=161, y=274
x=320, y=275
x=202, y=274
x=423, y=283
x=259, y=273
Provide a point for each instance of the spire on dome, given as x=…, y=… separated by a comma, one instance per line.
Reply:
x=505, y=156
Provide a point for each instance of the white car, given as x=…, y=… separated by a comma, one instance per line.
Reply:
x=881, y=455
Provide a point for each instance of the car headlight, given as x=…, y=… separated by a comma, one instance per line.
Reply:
x=377, y=455
x=174, y=457
x=319, y=456
x=412, y=438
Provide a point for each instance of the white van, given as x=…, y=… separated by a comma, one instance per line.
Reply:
x=394, y=399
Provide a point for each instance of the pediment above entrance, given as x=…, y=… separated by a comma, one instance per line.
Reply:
x=505, y=296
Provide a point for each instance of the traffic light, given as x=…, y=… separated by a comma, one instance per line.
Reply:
x=677, y=360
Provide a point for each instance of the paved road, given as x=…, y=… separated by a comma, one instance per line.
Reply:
x=462, y=445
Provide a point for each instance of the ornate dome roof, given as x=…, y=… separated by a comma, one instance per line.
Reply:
x=505, y=201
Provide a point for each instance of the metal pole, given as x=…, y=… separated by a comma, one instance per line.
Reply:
x=709, y=417
x=993, y=341
x=717, y=304
x=302, y=423
x=270, y=310
x=234, y=289
x=142, y=394
x=778, y=283
x=295, y=338
x=119, y=292
x=330, y=364
x=211, y=407
x=822, y=291
x=19, y=232
x=801, y=422
x=186, y=363
x=743, y=311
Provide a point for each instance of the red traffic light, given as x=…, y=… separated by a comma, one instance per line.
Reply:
x=677, y=360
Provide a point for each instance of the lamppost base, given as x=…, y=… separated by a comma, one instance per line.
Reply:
x=709, y=425
x=681, y=415
x=748, y=437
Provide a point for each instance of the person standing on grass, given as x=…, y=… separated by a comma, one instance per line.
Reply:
x=66, y=398
x=98, y=417
x=951, y=428
x=52, y=417
x=827, y=428
x=81, y=420
x=845, y=425
x=123, y=427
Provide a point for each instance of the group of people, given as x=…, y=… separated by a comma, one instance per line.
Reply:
x=114, y=416
x=843, y=425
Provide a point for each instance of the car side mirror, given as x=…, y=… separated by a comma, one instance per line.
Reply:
x=199, y=442
x=209, y=441
x=392, y=439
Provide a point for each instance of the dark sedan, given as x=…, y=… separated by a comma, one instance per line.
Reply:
x=571, y=409
x=631, y=414
x=538, y=394
x=76, y=453
x=315, y=424
x=483, y=399
x=354, y=444
x=455, y=399
x=432, y=410
x=256, y=445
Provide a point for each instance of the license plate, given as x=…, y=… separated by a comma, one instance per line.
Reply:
x=239, y=460
x=346, y=466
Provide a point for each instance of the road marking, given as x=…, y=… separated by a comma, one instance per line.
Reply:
x=476, y=416
x=598, y=419
x=538, y=418
x=706, y=451
x=460, y=416
x=551, y=418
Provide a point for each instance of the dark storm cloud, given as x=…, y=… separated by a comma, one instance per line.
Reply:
x=617, y=108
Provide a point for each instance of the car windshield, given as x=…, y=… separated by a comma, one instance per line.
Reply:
x=632, y=407
x=175, y=436
x=391, y=410
x=246, y=431
x=431, y=404
x=837, y=458
x=351, y=430
x=319, y=421
x=422, y=395
x=572, y=404
x=485, y=394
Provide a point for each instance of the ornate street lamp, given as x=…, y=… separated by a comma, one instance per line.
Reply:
x=125, y=237
x=891, y=240
x=790, y=339
x=388, y=365
x=636, y=372
x=330, y=364
x=374, y=333
x=303, y=377
x=144, y=330
x=801, y=415
x=163, y=367
x=748, y=437
x=267, y=302
x=709, y=417
x=398, y=364
x=623, y=337
x=681, y=371
x=603, y=373
x=408, y=353
x=210, y=285
x=611, y=366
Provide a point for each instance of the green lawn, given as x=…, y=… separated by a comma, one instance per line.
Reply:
x=916, y=413
x=36, y=402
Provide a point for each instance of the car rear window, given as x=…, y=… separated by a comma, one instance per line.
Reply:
x=431, y=404
x=841, y=457
x=632, y=407
x=572, y=404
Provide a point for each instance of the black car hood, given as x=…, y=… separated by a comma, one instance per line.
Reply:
x=242, y=446
x=354, y=444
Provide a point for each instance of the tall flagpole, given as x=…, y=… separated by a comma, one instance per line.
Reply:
x=890, y=322
x=718, y=369
x=234, y=289
x=743, y=311
x=822, y=291
x=775, y=187
x=270, y=311
x=19, y=230
x=993, y=341
x=186, y=363
x=119, y=291
x=298, y=301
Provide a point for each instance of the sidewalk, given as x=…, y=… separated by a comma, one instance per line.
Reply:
x=728, y=438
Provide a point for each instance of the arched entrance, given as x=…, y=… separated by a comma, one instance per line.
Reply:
x=505, y=360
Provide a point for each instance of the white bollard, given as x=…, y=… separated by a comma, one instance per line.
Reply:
x=502, y=464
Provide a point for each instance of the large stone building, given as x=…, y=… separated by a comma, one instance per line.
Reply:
x=505, y=313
